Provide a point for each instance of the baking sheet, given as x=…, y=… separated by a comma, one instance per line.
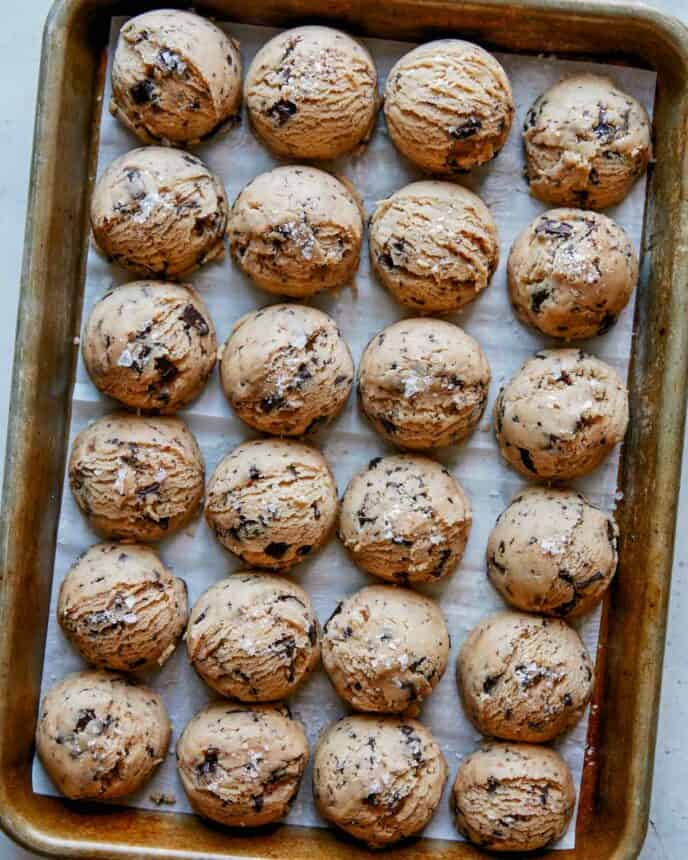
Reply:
x=349, y=444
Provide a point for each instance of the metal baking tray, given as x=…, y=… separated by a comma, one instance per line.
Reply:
x=616, y=788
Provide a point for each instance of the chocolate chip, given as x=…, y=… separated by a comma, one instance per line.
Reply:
x=85, y=717
x=527, y=460
x=551, y=227
x=466, y=129
x=143, y=91
x=209, y=763
x=271, y=402
x=374, y=462
x=281, y=111
x=276, y=549
x=492, y=784
x=149, y=488
x=490, y=683
x=165, y=368
x=537, y=299
x=193, y=318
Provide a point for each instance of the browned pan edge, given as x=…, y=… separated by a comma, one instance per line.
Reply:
x=614, y=811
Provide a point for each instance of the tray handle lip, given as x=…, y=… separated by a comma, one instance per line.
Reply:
x=21, y=828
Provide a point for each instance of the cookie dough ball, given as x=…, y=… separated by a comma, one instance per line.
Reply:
x=524, y=678
x=159, y=211
x=286, y=369
x=136, y=478
x=242, y=765
x=561, y=415
x=311, y=92
x=121, y=607
x=434, y=246
x=253, y=637
x=586, y=143
x=423, y=383
x=552, y=551
x=99, y=736
x=271, y=502
x=405, y=519
x=380, y=779
x=385, y=649
x=571, y=273
x=499, y=780
x=448, y=106
x=176, y=77
x=295, y=231
x=151, y=345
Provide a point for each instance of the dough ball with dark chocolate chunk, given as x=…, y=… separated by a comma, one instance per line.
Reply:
x=159, y=212
x=272, y=502
x=571, y=273
x=241, y=765
x=434, y=246
x=561, y=415
x=551, y=551
x=586, y=141
x=423, y=383
x=524, y=678
x=136, y=478
x=176, y=77
x=296, y=230
x=448, y=106
x=385, y=649
x=151, y=345
x=311, y=93
x=406, y=519
x=380, y=779
x=99, y=736
x=253, y=637
x=121, y=608
x=513, y=797
x=286, y=369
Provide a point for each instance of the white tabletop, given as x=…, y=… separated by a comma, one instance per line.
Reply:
x=20, y=45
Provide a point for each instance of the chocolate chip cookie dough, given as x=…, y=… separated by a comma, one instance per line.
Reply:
x=136, y=478
x=121, y=608
x=561, y=415
x=380, y=779
x=586, y=142
x=524, y=678
x=99, y=736
x=253, y=637
x=385, y=649
x=296, y=230
x=176, y=77
x=272, y=502
x=311, y=93
x=552, y=551
x=423, y=383
x=513, y=797
x=286, y=369
x=448, y=106
x=405, y=519
x=434, y=246
x=159, y=212
x=241, y=765
x=151, y=345
x=571, y=273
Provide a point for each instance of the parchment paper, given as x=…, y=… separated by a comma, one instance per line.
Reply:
x=466, y=597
